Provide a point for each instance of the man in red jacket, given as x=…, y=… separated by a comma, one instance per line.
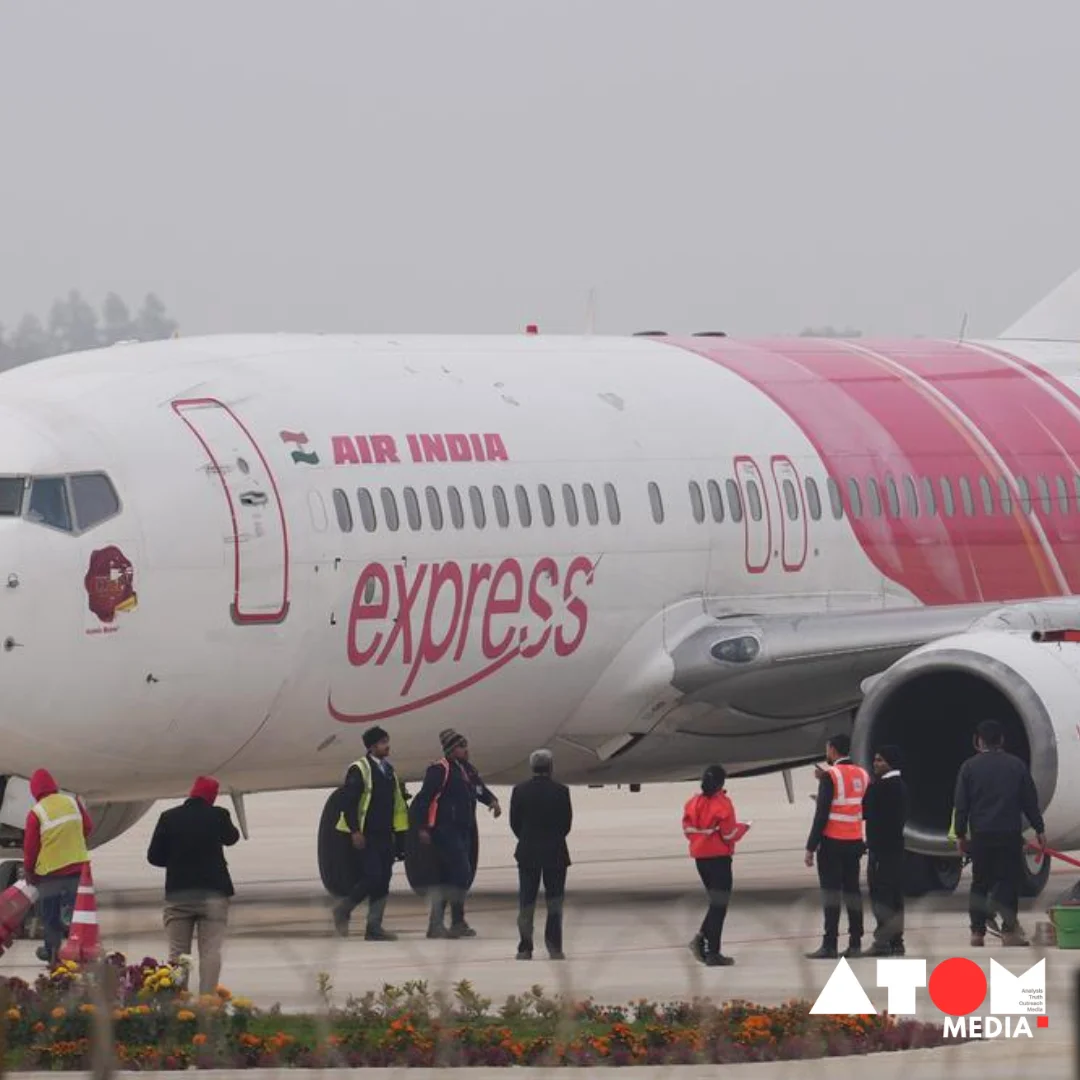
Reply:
x=709, y=824
x=54, y=854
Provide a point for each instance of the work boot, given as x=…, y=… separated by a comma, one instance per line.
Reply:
x=881, y=948
x=898, y=948
x=374, y=930
x=342, y=911
x=993, y=926
x=718, y=960
x=556, y=954
x=1015, y=939
x=826, y=952
x=436, y=927
x=461, y=930
x=438, y=932
x=697, y=947
x=978, y=939
x=43, y=955
x=524, y=954
x=853, y=951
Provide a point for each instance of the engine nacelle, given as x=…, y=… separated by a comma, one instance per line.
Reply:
x=930, y=702
x=113, y=818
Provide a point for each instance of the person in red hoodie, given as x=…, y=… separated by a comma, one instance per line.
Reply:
x=54, y=854
x=710, y=826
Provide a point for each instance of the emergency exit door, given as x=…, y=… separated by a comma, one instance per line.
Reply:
x=258, y=536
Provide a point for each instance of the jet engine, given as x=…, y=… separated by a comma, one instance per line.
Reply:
x=929, y=703
x=113, y=818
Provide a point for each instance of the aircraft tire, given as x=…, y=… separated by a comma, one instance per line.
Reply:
x=925, y=874
x=421, y=867
x=334, y=850
x=1034, y=876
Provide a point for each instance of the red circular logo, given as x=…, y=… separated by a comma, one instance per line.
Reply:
x=957, y=986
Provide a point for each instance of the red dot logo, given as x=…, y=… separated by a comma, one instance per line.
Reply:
x=957, y=986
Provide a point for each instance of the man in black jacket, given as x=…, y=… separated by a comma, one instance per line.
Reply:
x=375, y=816
x=994, y=793
x=189, y=842
x=444, y=811
x=540, y=818
x=885, y=811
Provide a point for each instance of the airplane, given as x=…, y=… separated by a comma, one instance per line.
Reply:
x=232, y=554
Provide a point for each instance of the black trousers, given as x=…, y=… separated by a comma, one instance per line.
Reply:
x=716, y=877
x=885, y=876
x=374, y=867
x=838, y=872
x=554, y=879
x=995, y=868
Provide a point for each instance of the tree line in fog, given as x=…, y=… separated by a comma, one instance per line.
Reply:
x=73, y=324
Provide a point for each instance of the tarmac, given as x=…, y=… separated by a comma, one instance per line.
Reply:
x=634, y=901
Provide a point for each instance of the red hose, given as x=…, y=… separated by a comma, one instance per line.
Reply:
x=1055, y=855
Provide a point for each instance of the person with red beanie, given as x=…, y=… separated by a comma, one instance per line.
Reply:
x=710, y=827
x=189, y=842
x=54, y=854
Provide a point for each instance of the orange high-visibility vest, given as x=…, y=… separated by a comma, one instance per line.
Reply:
x=845, y=815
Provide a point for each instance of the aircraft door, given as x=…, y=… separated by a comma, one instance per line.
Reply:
x=793, y=523
x=757, y=517
x=258, y=533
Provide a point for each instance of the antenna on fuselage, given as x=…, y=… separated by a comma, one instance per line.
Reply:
x=590, y=313
x=963, y=327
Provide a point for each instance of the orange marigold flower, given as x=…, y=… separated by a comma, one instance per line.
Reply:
x=199, y=1040
x=58, y=1013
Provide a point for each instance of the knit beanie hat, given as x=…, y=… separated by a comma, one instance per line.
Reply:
x=205, y=788
x=450, y=739
x=893, y=755
x=374, y=735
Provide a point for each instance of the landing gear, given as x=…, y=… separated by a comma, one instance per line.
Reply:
x=421, y=867
x=1033, y=875
x=930, y=874
x=334, y=850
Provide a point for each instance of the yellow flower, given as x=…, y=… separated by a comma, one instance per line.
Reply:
x=58, y=1013
x=13, y=1015
x=223, y=993
x=88, y=1009
x=71, y=965
x=241, y=1003
x=185, y=1015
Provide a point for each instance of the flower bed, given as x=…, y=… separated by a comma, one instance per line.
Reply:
x=147, y=1015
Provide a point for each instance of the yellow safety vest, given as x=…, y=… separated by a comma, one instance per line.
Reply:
x=62, y=840
x=952, y=828
x=401, y=811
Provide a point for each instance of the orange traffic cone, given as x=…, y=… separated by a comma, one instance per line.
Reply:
x=84, y=941
x=15, y=904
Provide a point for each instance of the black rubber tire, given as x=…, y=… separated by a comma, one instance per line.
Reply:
x=1033, y=879
x=925, y=874
x=334, y=850
x=421, y=866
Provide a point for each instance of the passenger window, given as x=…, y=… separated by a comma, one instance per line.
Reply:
x=1006, y=495
x=716, y=501
x=612, y=497
x=1044, y=494
x=948, y=500
x=813, y=498
x=11, y=496
x=547, y=505
x=929, y=496
x=94, y=499
x=390, y=510
x=367, y=510
x=592, y=507
x=1063, y=495
x=893, y=494
x=570, y=502
x=656, y=502
x=965, y=497
x=753, y=497
x=836, y=500
x=49, y=503
x=854, y=497
x=1025, y=494
x=412, y=509
x=734, y=501
x=987, y=495
x=875, y=497
x=476, y=501
x=502, y=509
x=457, y=509
x=343, y=510
x=911, y=496
x=791, y=500
x=697, y=503
x=434, y=508
x=523, y=507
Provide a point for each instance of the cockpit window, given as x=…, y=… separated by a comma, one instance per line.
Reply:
x=49, y=503
x=94, y=498
x=11, y=495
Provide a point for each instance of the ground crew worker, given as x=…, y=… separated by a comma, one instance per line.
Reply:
x=189, y=841
x=376, y=817
x=710, y=826
x=994, y=793
x=885, y=810
x=445, y=810
x=54, y=854
x=836, y=838
x=541, y=816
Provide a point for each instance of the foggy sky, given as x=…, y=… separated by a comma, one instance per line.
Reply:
x=474, y=165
